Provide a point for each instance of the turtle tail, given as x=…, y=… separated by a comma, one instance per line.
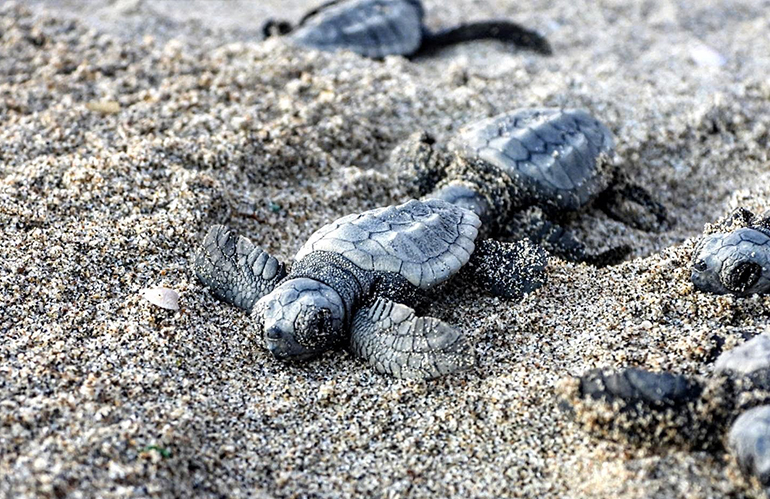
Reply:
x=505, y=31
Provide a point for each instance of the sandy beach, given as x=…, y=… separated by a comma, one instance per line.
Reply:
x=129, y=127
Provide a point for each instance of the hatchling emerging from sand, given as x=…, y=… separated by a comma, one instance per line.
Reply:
x=355, y=281
x=378, y=28
x=734, y=256
x=657, y=409
x=521, y=169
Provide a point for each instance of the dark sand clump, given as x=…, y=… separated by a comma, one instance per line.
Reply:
x=118, y=151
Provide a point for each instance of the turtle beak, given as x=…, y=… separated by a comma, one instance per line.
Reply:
x=277, y=348
x=284, y=347
x=277, y=343
x=273, y=333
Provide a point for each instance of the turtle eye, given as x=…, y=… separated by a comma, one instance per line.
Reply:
x=700, y=265
x=742, y=277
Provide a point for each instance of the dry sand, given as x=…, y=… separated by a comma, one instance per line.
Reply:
x=105, y=395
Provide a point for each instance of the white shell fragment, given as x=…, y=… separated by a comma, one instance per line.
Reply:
x=703, y=55
x=104, y=107
x=162, y=297
x=754, y=355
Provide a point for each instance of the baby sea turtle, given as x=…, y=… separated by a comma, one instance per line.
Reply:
x=658, y=408
x=517, y=169
x=355, y=281
x=378, y=28
x=736, y=258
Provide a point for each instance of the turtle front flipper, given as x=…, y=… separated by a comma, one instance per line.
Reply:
x=634, y=206
x=393, y=340
x=559, y=241
x=510, y=270
x=236, y=271
x=280, y=27
x=276, y=27
x=505, y=31
x=313, y=12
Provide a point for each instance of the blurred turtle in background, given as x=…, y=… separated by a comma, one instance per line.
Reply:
x=526, y=171
x=658, y=409
x=378, y=28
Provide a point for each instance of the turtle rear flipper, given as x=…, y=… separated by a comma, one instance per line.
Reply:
x=393, y=340
x=634, y=206
x=236, y=271
x=510, y=270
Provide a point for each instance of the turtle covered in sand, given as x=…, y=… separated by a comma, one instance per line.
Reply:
x=658, y=409
x=736, y=258
x=524, y=171
x=378, y=28
x=356, y=281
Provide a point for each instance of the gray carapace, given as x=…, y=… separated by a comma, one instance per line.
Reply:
x=736, y=259
x=378, y=28
x=658, y=409
x=356, y=281
x=525, y=170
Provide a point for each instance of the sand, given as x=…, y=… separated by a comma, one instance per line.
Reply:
x=127, y=130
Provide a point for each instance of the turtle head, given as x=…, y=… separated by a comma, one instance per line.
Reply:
x=300, y=319
x=737, y=262
x=420, y=163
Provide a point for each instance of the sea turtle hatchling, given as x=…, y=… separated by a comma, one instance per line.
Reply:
x=521, y=168
x=736, y=258
x=656, y=409
x=355, y=281
x=378, y=28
